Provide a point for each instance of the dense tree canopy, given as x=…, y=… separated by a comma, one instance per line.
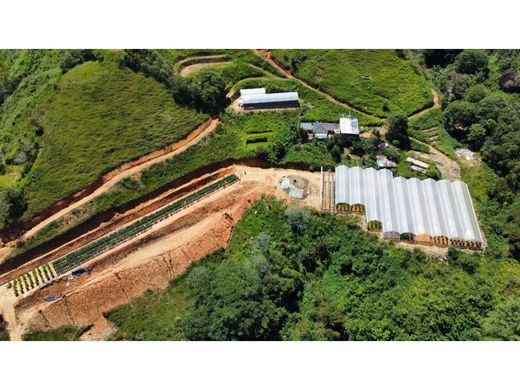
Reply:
x=471, y=61
x=398, y=131
x=328, y=281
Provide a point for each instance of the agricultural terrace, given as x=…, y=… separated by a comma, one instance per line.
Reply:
x=377, y=82
x=47, y=272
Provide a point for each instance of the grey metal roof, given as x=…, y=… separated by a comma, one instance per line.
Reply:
x=307, y=126
x=436, y=208
x=326, y=127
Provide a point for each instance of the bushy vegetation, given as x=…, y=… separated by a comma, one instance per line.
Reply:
x=4, y=334
x=292, y=274
x=64, y=333
x=377, y=82
x=67, y=130
x=486, y=119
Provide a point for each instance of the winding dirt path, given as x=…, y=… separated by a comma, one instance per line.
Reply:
x=187, y=70
x=449, y=168
x=436, y=104
x=266, y=55
x=133, y=168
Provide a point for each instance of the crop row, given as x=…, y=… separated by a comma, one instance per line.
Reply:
x=32, y=279
x=112, y=240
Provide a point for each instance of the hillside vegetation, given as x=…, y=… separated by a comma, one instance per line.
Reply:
x=84, y=123
x=377, y=82
x=294, y=274
x=99, y=117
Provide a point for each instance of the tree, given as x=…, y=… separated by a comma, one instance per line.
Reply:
x=208, y=92
x=298, y=219
x=458, y=116
x=278, y=150
x=12, y=206
x=232, y=305
x=491, y=107
x=471, y=61
x=476, y=93
x=434, y=57
x=398, y=131
x=476, y=136
x=336, y=153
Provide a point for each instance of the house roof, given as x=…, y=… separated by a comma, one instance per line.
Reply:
x=349, y=126
x=325, y=127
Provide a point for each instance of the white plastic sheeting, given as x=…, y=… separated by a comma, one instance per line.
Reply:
x=252, y=91
x=421, y=207
x=258, y=98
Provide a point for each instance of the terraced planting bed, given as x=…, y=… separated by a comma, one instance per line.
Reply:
x=50, y=271
x=32, y=279
x=110, y=241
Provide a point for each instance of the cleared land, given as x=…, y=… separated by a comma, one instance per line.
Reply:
x=183, y=238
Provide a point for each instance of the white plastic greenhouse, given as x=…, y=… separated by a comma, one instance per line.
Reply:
x=418, y=211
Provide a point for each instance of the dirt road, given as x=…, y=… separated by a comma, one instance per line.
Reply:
x=287, y=74
x=436, y=104
x=133, y=168
x=187, y=70
x=449, y=168
x=150, y=261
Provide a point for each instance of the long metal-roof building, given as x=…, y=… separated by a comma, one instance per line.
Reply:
x=256, y=98
x=420, y=211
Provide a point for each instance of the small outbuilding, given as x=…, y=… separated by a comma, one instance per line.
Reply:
x=347, y=128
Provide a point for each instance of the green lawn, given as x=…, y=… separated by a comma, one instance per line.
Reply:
x=98, y=116
x=377, y=82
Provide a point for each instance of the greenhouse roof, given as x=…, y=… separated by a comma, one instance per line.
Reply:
x=429, y=207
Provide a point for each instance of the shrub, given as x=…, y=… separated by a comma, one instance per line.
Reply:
x=471, y=61
x=398, y=131
x=476, y=93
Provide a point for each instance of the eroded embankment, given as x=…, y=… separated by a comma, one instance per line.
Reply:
x=103, y=218
x=19, y=229
x=148, y=263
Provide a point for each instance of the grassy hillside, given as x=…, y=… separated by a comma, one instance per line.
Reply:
x=283, y=278
x=97, y=116
x=233, y=72
x=374, y=81
x=314, y=106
